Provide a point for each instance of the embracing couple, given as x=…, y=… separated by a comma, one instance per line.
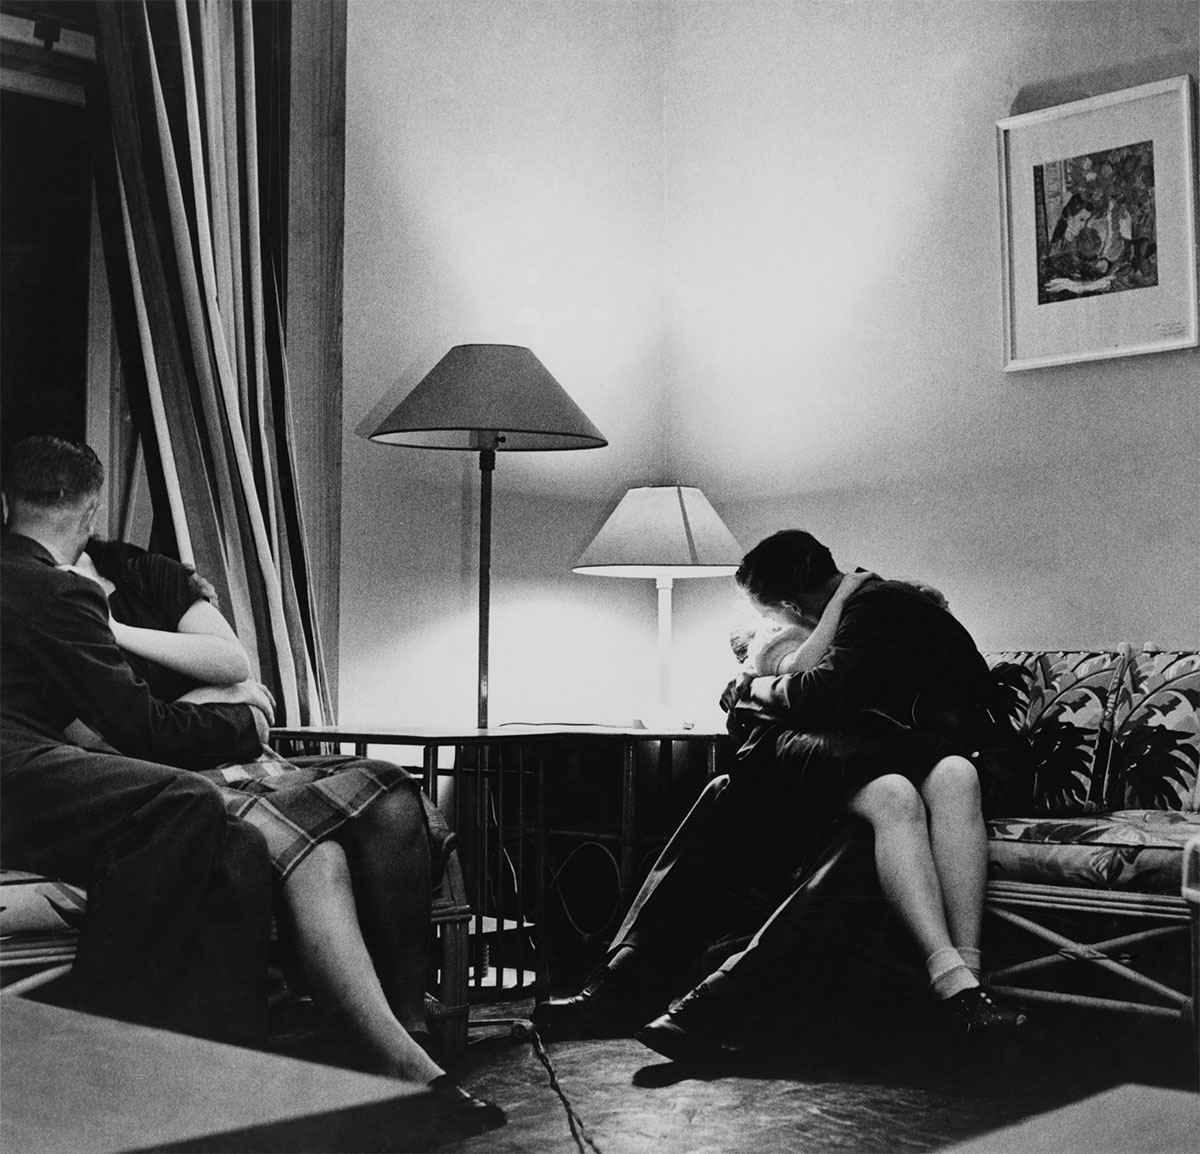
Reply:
x=134, y=763
x=869, y=742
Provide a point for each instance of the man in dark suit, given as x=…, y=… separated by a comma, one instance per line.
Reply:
x=178, y=913
x=895, y=730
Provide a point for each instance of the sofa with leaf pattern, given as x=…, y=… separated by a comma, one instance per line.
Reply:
x=1084, y=894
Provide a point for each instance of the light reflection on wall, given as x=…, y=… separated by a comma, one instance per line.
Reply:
x=552, y=659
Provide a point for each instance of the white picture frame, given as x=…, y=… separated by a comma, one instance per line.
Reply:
x=1098, y=227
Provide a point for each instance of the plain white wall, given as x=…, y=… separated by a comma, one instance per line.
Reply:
x=834, y=318
x=504, y=183
x=758, y=243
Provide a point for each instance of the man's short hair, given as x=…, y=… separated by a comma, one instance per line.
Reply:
x=783, y=565
x=51, y=473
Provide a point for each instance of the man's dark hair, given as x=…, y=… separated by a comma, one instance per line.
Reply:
x=784, y=564
x=51, y=473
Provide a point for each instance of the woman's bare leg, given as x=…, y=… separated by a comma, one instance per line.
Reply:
x=319, y=901
x=958, y=839
x=388, y=849
x=904, y=858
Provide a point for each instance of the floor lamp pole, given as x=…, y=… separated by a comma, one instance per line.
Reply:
x=487, y=466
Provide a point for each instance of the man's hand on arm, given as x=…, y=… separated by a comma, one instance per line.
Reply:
x=77, y=654
x=249, y=692
x=261, y=725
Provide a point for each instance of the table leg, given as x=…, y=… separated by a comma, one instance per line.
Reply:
x=429, y=764
x=628, y=818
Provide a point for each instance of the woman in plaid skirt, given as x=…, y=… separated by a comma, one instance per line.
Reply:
x=350, y=838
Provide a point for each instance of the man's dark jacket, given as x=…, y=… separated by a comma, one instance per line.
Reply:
x=895, y=653
x=178, y=893
x=59, y=661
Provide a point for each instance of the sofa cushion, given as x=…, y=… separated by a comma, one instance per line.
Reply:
x=1059, y=700
x=1156, y=728
x=1134, y=849
x=34, y=905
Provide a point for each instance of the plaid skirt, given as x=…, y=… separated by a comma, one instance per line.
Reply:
x=296, y=804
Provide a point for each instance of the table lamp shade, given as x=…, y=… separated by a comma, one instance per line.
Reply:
x=481, y=397
x=662, y=531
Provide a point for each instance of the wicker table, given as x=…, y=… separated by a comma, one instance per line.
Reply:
x=507, y=766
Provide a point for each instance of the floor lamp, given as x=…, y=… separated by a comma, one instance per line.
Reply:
x=487, y=399
x=665, y=532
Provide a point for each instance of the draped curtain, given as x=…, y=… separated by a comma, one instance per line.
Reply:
x=191, y=159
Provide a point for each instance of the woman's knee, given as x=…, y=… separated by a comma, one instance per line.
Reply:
x=889, y=800
x=953, y=781
x=398, y=813
x=324, y=865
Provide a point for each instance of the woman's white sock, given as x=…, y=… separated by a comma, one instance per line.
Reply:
x=948, y=973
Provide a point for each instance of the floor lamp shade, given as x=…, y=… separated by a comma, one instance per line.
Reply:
x=488, y=399
x=665, y=532
x=498, y=397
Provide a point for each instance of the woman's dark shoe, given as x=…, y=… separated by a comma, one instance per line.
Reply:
x=460, y=1114
x=975, y=1014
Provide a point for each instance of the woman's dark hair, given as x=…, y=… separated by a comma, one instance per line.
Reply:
x=51, y=473
x=784, y=564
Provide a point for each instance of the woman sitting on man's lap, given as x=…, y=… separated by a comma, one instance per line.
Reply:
x=350, y=838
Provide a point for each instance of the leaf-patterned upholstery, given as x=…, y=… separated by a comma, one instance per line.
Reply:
x=1156, y=734
x=1060, y=700
x=1116, y=744
x=1132, y=849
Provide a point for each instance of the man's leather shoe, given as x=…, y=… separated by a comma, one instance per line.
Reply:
x=605, y=1007
x=696, y=1030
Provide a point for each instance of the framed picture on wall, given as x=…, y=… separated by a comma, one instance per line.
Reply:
x=1098, y=227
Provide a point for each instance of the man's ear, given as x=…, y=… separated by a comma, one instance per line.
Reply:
x=87, y=515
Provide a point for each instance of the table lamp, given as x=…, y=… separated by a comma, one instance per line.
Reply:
x=665, y=532
x=488, y=399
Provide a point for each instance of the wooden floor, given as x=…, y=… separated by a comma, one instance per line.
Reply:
x=863, y=1078
x=850, y=1086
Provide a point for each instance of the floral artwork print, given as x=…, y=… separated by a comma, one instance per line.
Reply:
x=1095, y=223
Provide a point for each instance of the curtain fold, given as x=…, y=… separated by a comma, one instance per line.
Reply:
x=199, y=316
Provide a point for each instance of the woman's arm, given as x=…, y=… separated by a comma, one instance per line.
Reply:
x=808, y=655
x=204, y=647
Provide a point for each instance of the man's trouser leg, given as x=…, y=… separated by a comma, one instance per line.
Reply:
x=222, y=991
x=701, y=887
x=170, y=887
x=666, y=908
x=807, y=937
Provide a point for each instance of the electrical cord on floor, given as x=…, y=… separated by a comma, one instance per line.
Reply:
x=526, y=1031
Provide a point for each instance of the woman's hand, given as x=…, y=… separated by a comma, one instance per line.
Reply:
x=249, y=692
x=202, y=586
x=736, y=690
x=852, y=582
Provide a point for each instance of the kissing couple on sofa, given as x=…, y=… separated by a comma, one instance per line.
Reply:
x=863, y=706
x=135, y=764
